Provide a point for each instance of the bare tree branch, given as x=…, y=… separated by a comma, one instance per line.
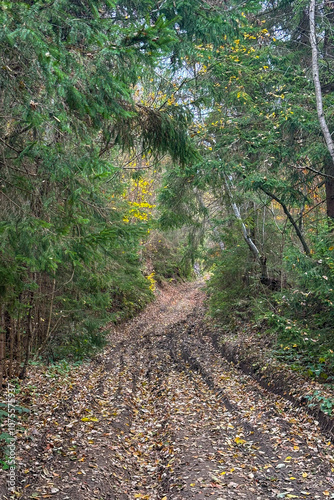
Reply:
x=315, y=171
x=291, y=219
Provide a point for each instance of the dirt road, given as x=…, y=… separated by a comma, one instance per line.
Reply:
x=161, y=416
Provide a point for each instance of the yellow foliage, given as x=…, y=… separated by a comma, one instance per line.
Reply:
x=152, y=281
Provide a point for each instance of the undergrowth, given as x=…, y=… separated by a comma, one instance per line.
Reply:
x=298, y=320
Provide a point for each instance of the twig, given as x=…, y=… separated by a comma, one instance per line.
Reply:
x=17, y=169
x=315, y=206
x=9, y=146
x=315, y=171
x=18, y=206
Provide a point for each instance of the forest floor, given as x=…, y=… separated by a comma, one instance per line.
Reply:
x=161, y=415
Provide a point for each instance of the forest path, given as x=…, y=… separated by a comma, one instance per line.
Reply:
x=159, y=415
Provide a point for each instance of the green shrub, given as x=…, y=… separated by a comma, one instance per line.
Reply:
x=302, y=317
x=231, y=285
x=166, y=254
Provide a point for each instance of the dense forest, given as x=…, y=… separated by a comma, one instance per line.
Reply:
x=142, y=141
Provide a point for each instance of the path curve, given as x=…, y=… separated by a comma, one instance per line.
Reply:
x=160, y=415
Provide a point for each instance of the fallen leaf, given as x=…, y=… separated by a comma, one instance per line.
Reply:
x=239, y=440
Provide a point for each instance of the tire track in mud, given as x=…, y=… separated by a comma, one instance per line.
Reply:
x=198, y=356
x=161, y=415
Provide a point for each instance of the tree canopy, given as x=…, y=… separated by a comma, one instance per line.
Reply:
x=140, y=137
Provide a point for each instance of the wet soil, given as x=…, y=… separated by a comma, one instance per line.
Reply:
x=162, y=415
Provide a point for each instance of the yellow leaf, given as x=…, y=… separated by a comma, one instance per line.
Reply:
x=326, y=493
x=292, y=478
x=287, y=459
x=89, y=419
x=193, y=484
x=164, y=498
x=304, y=474
x=239, y=440
x=291, y=496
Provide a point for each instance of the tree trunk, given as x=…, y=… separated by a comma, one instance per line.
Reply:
x=329, y=167
x=22, y=373
x=48, y=332
x=329, y=185
x=251, y=245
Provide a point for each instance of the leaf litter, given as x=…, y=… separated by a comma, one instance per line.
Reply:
x=160, y=415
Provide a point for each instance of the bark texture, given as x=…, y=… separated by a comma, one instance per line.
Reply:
x=329, y=166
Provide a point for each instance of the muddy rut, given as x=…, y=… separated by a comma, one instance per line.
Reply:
x=160, y=415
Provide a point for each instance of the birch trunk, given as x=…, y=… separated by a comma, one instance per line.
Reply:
x=329, y=167
x=251, y=245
